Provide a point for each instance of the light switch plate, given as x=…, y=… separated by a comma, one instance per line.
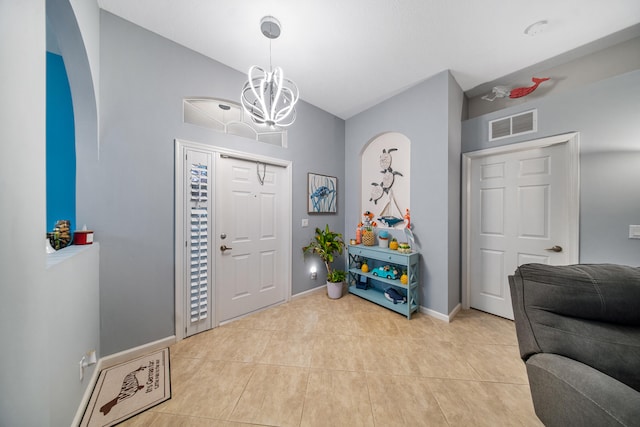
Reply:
x=305, y=222
x=634, y=231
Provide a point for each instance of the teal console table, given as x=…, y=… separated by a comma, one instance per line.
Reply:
x=371, y=285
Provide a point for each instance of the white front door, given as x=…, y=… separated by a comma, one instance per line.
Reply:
x=522, y=209
x=251, y=237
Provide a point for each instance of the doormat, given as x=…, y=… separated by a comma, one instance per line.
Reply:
x=125, y=390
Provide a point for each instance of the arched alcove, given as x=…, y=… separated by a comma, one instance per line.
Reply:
x=63, y=26
x=385, y=164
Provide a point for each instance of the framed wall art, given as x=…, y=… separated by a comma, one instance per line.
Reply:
x=322, y=194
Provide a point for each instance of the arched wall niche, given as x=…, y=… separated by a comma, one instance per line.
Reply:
x=385, y=165
x=64, y=27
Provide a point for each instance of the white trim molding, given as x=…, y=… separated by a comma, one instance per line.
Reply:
x=572, y=141
x=179, y=289
x=437, y=315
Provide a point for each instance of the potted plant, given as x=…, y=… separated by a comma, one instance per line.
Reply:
x=327, y=244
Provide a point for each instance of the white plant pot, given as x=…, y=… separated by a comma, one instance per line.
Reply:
x=334, y=290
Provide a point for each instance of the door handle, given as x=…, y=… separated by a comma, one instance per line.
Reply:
x=555, y=248
x=225, y=248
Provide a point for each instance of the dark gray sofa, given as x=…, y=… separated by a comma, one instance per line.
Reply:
x=578, y=329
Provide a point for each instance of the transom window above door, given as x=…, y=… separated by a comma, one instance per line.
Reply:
x=229, y=117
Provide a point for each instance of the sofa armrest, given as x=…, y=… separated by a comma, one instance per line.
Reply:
x=569, y=393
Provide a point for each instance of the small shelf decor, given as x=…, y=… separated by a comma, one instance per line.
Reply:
x=368, y=237
x=383, y=239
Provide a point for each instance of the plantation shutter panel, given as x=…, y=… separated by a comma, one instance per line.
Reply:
x=198, y=253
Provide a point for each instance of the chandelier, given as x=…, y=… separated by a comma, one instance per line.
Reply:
x=268, y=97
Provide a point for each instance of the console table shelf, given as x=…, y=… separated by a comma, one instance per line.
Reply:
x=376, y=285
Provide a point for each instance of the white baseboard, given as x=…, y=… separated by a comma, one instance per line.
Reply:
x=87, y=395
x=116, y=359
x=132, y=353
x=455, y=311
x=310, y=291
x=444, y=317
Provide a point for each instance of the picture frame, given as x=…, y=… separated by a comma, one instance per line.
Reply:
x=322, y=194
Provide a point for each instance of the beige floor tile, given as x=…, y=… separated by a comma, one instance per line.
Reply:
x=335, y=323
x=466, y=403
x=145, y=419
x=403, y=401
x=361, y=305
x=301, y=321
x=197, y=346
x=347, y=362
x=337, y=352
x=156, y=419
x=273, y=396
x=516, y=399
x=288, y=349
x=499, y=363
x=316, y=301
x=241, y=345
x=473, y=326
x=387, y=355
x=421, y=326
x=376, y=324
x=336, y=399
x=271, y=319
x=206, y=388
x=439, y=359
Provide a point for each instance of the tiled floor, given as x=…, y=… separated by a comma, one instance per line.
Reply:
x=347, y=362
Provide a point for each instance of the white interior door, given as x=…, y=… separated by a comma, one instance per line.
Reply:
x=520, y=211
x=252, y=236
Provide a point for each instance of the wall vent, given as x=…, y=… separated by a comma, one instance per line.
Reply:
x=517, y=124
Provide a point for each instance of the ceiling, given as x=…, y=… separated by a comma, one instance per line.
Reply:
x=348, y=55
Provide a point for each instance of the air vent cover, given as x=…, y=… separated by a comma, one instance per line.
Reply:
x=516, y=124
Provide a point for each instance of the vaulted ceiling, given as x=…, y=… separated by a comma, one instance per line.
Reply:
x=346, y=56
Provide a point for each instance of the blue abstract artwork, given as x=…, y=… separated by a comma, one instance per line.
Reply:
x=323, y=193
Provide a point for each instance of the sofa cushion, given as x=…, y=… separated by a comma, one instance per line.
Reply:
x=603, y=292
x=589, y=313
x=568, y=393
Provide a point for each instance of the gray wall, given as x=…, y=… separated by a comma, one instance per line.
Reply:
x=606, y=115
x=48, y=317
x=429, y=115
x=72, y=310
x=24, y=325
x=610, y=56
x=144, y=78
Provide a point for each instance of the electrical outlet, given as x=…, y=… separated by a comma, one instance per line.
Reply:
x=88, y=359
x=82, y=365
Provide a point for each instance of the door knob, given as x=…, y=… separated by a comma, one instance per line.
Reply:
x=555, y=248
x=225, y=248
